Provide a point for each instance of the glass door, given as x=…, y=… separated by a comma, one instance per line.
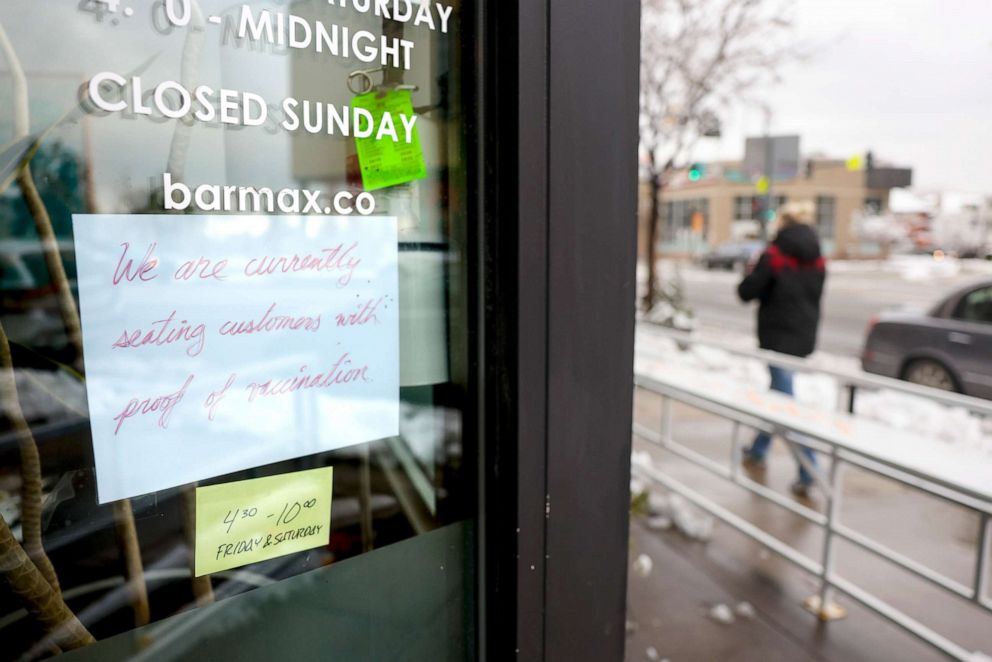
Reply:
x=236, y=256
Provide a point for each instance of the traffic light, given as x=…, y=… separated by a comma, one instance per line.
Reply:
x=696, y=171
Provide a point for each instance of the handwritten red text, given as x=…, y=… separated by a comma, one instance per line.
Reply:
x=364, y=314
x=344, y=371
x=165, y=332
x=270, y=322
x=165, y=404
x=202, y=269
x=143, y=272
x=337, y=260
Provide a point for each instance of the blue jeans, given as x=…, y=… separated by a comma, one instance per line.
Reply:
x=781, y=382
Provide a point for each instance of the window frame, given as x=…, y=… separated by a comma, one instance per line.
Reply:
x=560, y=191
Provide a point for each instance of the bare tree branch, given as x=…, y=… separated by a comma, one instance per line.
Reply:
x=699, y=58
x=31, y=502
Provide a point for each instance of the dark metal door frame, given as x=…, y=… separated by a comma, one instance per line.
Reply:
x=559, y=199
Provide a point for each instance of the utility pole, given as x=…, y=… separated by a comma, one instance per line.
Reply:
x=769, y=175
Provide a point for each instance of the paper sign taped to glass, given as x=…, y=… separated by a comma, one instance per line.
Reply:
x=219, y=343
x=385, y=162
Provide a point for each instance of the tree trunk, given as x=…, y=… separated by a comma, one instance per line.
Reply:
x=652, y=239
x=31, y=493
x=127, y=540
x=203, y=590
x=53, y=259
x=39, y=598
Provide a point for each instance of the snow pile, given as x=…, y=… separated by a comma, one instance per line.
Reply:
x=665, y=511
x=952, y=425
x=745, y=610
x=921, y=268
x=692, y=522
x=724, y=615
x=643, y=565
x=814, y=390
x=664, y=313
x=661, y=351
x=915, y=268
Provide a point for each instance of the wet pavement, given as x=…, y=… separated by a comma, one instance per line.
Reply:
x=668, y=608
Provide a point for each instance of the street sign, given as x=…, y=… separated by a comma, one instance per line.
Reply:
x=776, y=157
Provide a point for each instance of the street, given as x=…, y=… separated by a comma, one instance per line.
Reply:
x=854, y=293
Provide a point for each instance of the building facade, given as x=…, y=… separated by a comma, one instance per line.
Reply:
x=714, y=203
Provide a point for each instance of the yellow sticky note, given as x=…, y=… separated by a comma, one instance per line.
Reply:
x=259, y=519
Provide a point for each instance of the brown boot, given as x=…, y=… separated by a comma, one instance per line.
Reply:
x=755, y=468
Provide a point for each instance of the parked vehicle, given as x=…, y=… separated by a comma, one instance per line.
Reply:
x=949, y=347
x=731, y=255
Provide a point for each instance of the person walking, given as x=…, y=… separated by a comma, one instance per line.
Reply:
x=787, y=281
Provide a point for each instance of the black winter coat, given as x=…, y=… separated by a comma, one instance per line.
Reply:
x=788, y=282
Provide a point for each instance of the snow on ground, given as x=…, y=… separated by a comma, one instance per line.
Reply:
x=915, y=268
x=911, y=268
x=952, y=425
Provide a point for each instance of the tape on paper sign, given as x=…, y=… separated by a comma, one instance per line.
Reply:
x=259, y=519
x=384, y=161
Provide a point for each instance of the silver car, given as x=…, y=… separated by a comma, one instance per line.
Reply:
x=949, y=348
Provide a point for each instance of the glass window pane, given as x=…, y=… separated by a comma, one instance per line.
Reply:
x=261, y=130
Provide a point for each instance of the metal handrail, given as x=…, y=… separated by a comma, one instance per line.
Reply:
x=847, y=378
x=823, y=569
x=818, y=441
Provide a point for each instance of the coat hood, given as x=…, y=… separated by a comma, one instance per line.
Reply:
x=799, y=241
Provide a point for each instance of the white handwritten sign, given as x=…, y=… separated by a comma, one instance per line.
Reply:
x=218, y=343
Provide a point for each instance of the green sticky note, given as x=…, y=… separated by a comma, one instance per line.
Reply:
x=259, y=519
x=384, y=161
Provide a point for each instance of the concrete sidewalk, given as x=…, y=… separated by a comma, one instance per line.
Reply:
x=668, y=610
x=669, y=607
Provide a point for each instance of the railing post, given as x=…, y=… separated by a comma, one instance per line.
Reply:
x=982, y=561
x=666, y=420
x=822, y=604
x=735, y=451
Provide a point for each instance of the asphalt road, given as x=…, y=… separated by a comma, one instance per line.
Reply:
x=852, y=298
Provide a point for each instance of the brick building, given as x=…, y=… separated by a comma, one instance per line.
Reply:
x=718, y=203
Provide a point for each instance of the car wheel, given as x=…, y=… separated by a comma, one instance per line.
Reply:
x=927, y=372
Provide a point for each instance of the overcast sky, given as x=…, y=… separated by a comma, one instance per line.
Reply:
x=909, y=79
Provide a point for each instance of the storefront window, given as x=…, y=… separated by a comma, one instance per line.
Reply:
x=261, y=212
x=825, y=212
